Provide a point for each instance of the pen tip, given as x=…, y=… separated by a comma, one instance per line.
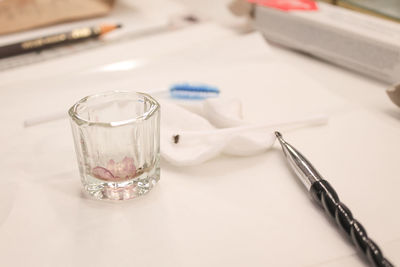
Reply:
x=279, y=137
x=281, y=141
x=109, y=27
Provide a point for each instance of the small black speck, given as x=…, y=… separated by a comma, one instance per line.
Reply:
x=191, y=18
x=176, y=138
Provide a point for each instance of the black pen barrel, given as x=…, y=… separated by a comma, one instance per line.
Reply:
x=38, y=44
x=324, y=194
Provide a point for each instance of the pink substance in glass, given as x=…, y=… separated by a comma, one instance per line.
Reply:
x=116, y=171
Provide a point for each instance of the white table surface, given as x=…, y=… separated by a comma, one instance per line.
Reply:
x=231, y=211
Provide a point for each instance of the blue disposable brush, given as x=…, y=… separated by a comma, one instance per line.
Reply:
x=195, y=92
x=183, y=91
x=187, y=91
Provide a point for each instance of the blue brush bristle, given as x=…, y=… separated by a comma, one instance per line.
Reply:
x=193, y=92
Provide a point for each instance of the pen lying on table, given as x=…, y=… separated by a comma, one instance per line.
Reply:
x=76, y=35
x=323, y=193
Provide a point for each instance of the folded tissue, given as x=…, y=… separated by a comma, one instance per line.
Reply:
x=197, y=132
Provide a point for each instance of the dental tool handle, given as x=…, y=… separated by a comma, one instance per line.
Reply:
x=323, y=193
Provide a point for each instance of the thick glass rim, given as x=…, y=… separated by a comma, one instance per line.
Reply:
x=73, y=113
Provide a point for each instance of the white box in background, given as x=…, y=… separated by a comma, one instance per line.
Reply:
x=353, y=40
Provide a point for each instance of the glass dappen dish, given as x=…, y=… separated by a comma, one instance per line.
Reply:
x=117, y=143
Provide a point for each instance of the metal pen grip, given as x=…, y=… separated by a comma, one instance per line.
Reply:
x=325, y=195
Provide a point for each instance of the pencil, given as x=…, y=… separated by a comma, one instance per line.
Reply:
x=38, y=44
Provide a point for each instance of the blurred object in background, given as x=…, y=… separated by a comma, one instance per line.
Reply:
x=394, y=94
x=389, y=9
x=240, y=7
x=352, y=40
x=139, y=19
x=233, y=14
x=56, y=40
x=19, y=15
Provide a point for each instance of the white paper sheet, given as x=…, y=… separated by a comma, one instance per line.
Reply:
x=228, y=212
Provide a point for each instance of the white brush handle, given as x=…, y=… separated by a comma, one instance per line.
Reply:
x=45, y=118
x=63, y=114
x=313, y=120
